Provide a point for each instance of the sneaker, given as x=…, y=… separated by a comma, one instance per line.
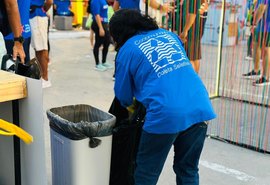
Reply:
x=252, y=74
x=100, y=67
x=46, y=83
x=107, y=65
x=261, y=82
x=248, y=58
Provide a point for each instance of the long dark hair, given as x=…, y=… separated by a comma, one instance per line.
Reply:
x=125, y=23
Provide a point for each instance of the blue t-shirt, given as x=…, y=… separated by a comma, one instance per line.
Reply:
x=264, y=25
x=100, y=7
x=38, y=10
x=24, y=6
x=62, y=7
x=153, y=68
x=130, y=4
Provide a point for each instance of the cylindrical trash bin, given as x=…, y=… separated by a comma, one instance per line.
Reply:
x=81, y=141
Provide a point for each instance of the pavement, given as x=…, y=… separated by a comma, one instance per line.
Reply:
x=74, y=81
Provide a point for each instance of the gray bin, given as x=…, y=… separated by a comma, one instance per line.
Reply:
x=81, y=141
x=63, y=22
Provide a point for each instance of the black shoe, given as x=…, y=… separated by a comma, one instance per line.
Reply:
x=252, y=74
x=261, y=82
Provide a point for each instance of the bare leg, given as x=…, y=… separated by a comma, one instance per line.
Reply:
x=257, y=56
x=43, y=58
x=92, y=38
x=266, y=62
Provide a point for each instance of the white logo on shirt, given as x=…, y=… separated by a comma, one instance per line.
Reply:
x=164, y=53
x=26, y=28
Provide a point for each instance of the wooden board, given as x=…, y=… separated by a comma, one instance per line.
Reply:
x=12, y=86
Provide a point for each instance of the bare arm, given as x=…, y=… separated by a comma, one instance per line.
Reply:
x=190, y=20
x=164, y=8
x=14, y=17
x=259, y=13
x=116, y=6
x=15, y=24
x=47, y=5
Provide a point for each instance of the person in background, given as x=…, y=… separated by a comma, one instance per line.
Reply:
x=12, y=10
x=24, y=6
x=156, y=9
x=99, y=10
x=193, y=29
x=249, y=21
x=62, y=8
x=152, y=67
x=140, y=5
x=261, y=29
x=39, y=29
x=132, y=4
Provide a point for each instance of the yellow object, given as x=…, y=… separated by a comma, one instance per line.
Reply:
x=77, y=8
x=9, y=129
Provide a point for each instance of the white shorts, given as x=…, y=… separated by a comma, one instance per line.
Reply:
x=39, y=31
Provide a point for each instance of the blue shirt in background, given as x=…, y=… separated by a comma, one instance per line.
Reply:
x=130, y=4
x=100, y=7
x=24, y=6
x=264, y=23
x=62, y=7
x=38, y=11
x=153, y=68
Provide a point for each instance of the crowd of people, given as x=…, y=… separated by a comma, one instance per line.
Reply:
x=193, y=15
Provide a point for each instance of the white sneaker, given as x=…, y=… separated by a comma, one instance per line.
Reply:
x=107, y=65
x=46, y=83
x=248, y=58
x=100, y=67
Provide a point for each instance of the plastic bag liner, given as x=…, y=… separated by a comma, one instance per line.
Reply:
x=78, y=122
x=126, y=138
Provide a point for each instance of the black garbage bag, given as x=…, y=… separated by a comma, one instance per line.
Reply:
x=126, y=137
x=78, y=122
x=31, y=69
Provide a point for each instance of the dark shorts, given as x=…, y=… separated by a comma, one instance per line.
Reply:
x=193, y=44
x=263, y=38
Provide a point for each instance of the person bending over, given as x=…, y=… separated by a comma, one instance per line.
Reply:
x=152, y=66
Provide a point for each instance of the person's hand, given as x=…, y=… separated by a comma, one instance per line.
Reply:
x=167, y=8
x=203, y=8
x=183, y=36
x=252, y=29
x=18, y=51
x=101, y=32
x=181, y=2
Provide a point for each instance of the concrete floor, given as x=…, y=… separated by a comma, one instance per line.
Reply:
x=74, y=81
